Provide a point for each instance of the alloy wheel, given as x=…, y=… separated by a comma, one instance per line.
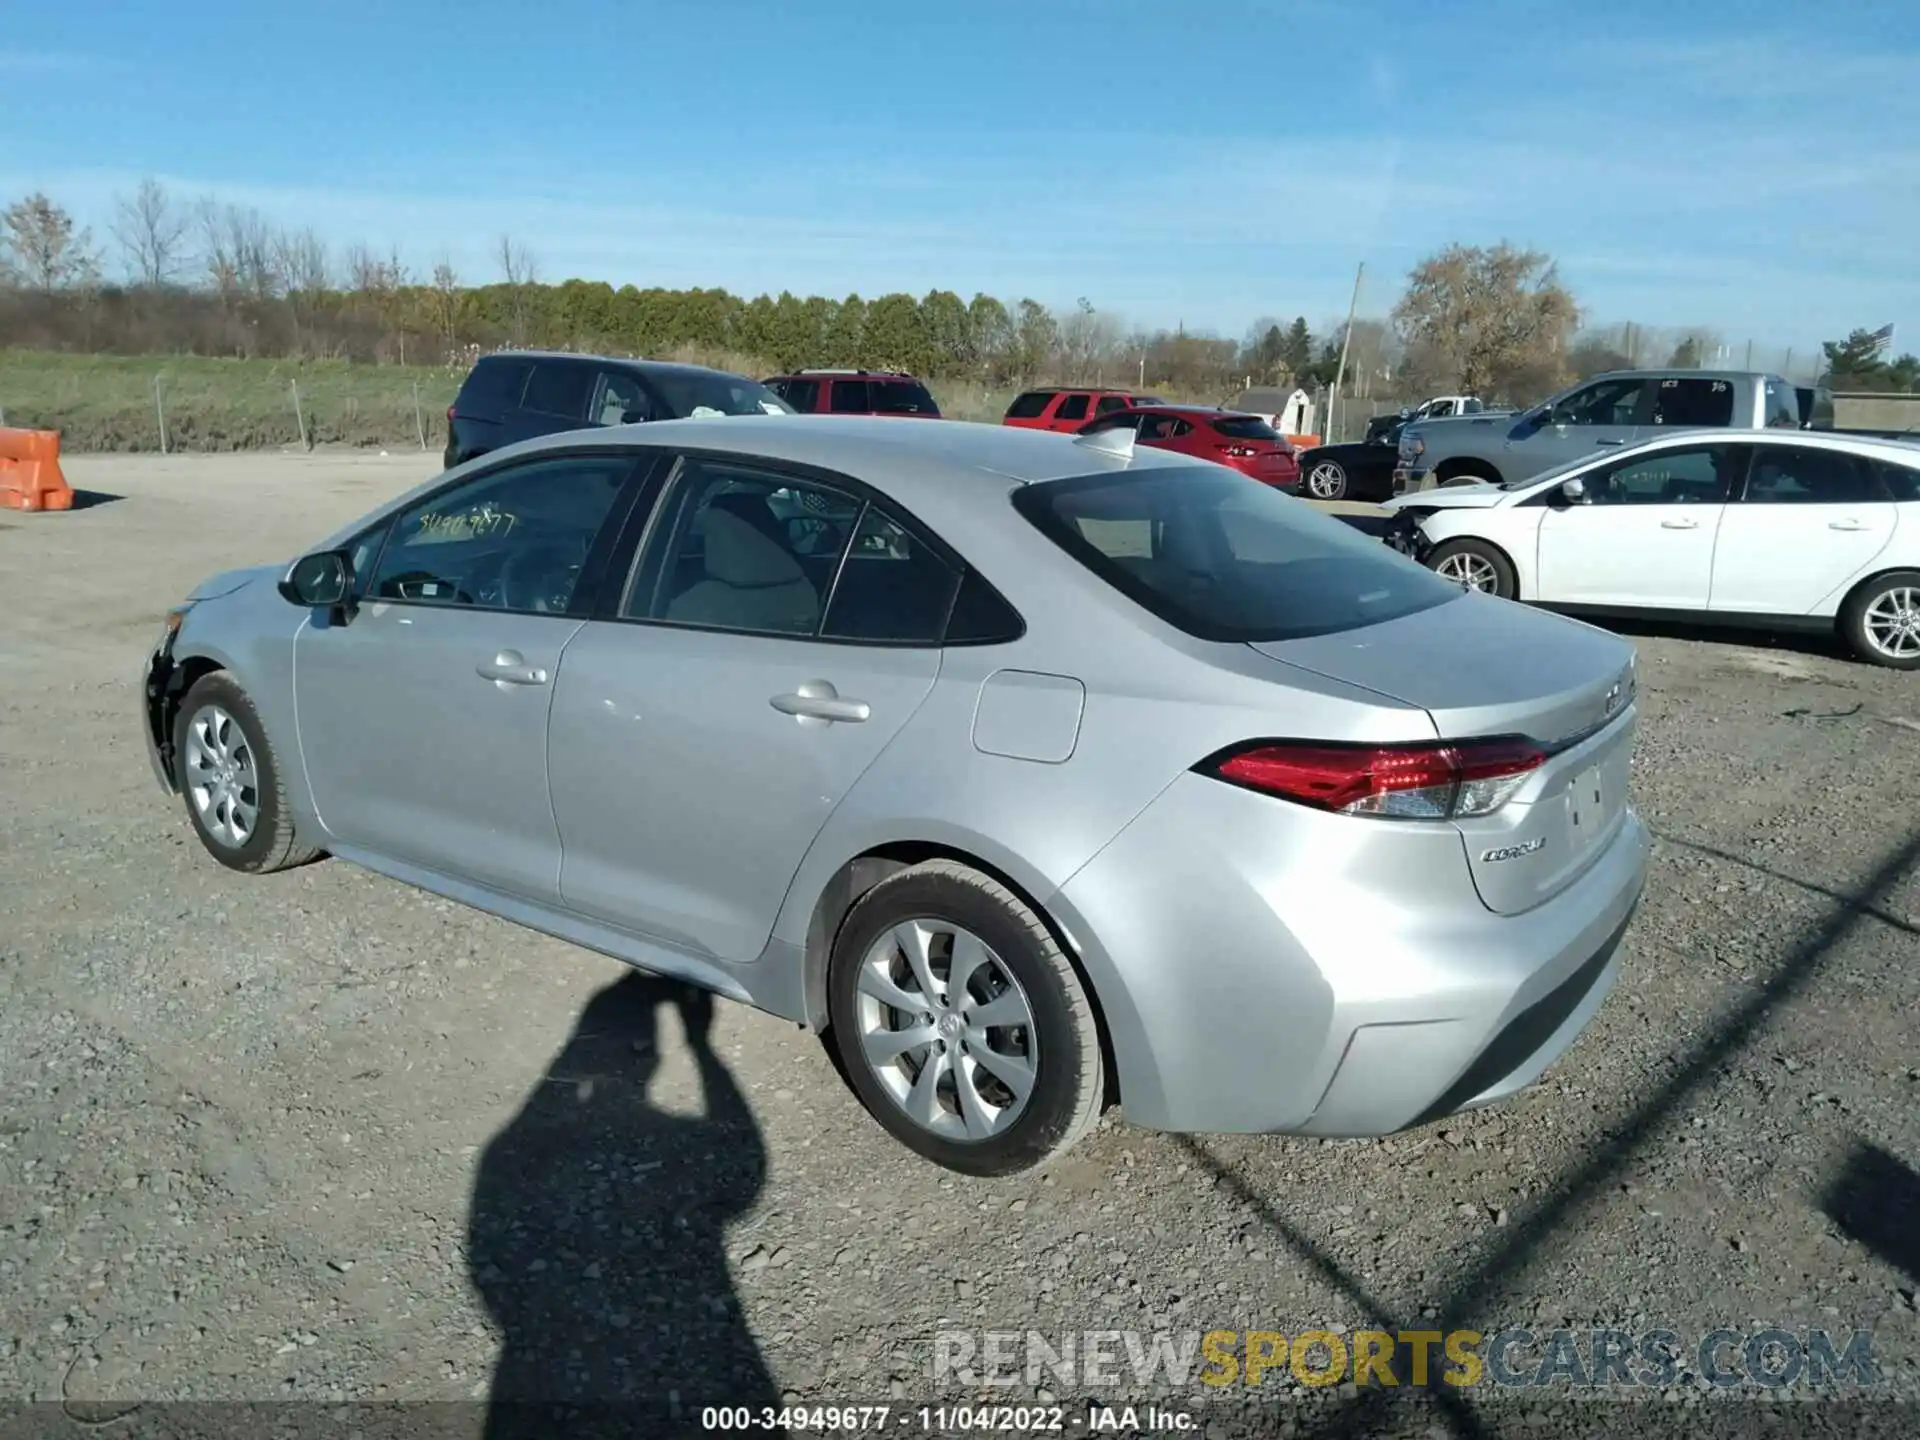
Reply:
x=223, y=781
x=1326, y=481
x=1892, y=623
x=1475, y=572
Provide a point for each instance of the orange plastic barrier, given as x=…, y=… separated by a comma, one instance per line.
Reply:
x=30, y=477
x=1303, y=442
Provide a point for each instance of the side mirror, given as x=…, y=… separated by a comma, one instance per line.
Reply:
x=323, y=580
x=1574, y=491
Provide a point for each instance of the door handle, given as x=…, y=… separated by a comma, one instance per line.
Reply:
x=1679, y=524
x=1605, y=443
x=510, y=667
x=818, y=700
x=1847, y=525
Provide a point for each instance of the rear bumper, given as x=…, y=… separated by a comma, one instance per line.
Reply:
x=1264, y=968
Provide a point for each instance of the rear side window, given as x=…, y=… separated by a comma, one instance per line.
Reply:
x=1783, y=406
x=850, y=398
x=1693, y=402
x=891, y=587
x=1107, y=404
x=1030, y=406
x=1246, y=427
x=1902, y=481
x=494, y=385
x=1074, y=407
x=559, y=388
x=980, y=616
x=1792, y=475
x=902, y=397
x=1228, y=561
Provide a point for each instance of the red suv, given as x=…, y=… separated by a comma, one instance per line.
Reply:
x=1070, y=409
x=1245, y=442
x=854, y=392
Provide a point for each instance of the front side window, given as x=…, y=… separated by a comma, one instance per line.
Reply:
x=802, y=395
x=1073, y=407
x=1225, y=560
x=1605, y=402
x=512, y=539
x=1156, y=427
x=559, y=387
x=1685, y=475
x=1783, y=406
x=1690, y=403
x=1792, y=475
x=710, y=393
x=619, y=399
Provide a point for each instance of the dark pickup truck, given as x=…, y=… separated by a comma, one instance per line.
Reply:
x=1606, y=412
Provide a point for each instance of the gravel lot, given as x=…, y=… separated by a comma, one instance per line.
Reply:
x=318, y=1136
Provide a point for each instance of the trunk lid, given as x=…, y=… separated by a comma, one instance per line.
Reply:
x=1480, y=667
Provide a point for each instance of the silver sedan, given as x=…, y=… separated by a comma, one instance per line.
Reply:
x=1036, y=774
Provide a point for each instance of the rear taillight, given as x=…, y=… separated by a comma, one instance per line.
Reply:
x=450, y=415
x=1238, y=452
x=1401, y=782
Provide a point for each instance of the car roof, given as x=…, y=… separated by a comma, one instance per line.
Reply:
x=901, y=458
x=1207, y=412
x=652, y=367
x=1780, y=435
x=830, y=374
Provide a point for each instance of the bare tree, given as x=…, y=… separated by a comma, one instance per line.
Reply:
x=151, y=232
x=239, y=249
x=216, y=253
x=446, y=298
x=521, y=271
x=1490, y=320
x=306, y=270
x=40, y=244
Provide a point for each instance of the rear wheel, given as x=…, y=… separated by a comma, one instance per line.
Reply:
x=1469, y=475
x=1327, y=480
x=1476, y=565
x=231, y=780
x=962, y=1025
x=1881, y=621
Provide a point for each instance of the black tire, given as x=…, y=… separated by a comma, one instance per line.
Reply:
x=1334, y=478
x=1069, y=1083
x=1505, y=584
x=270, y=844
x=1469, y=475
x=1853, y=617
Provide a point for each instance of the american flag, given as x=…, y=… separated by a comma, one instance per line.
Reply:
x=1882, y=338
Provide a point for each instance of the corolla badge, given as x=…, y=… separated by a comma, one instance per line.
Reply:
x=1514, y=852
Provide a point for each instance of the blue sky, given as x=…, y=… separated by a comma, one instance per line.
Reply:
x=1754, y=168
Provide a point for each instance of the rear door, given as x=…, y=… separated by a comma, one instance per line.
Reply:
x=1644, y=535
x=778, y=630
x=556, y=399
x=1072, y=410
x=1808, y=521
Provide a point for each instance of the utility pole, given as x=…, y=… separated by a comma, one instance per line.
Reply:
x=1346, y=339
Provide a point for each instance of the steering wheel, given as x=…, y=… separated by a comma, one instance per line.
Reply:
x=541, y=576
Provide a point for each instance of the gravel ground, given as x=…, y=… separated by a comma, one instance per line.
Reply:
x=321, y=1137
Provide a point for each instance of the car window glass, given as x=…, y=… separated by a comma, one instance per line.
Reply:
x=512, y=539
x=901, y=397
x=803, y=395
x=1123, y=421
x=1694, y=475
x=1472, y=407
x=1605, y=402
x=559, y=387
x=1693, y=402
x=1227, y=560
x=1902, y=482
x=1783, y=406
x=494, y=384
x=891, y=587
x=619, y=400
x=743, y=549
x=1074, y=407
x=1156, y=427
x=1107, y=404
x=1177, y=428
x=980, y=616
x=692, y=392
x=1791, y=475
x=850, y=397
x=1030, y=406
x=1245, y=427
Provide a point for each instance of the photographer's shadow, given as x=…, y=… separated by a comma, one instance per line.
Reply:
x=597, y=1231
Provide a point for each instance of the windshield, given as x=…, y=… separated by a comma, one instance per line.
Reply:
x=1246, y=427
x=689, y=392
x=1225, y=559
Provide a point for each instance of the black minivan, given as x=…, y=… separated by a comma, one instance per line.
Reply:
x=519, y=394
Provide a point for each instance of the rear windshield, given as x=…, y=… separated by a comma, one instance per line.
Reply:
x=902, y=397
x=1226, y=558
x=695, y=394
x=1246, y=427
x=1030, y=406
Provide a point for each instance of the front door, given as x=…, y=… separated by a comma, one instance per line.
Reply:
x=423, y=718
x=1809, y=521
x=775, y=636
x=1644, y=534
x=1605, y=415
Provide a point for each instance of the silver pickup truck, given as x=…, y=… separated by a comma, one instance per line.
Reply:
x=1610, y=410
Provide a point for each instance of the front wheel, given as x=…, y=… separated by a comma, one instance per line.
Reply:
x=1475, y=565
x=1881, y=621
x=231, y=780
x=1327, y=480
x=961, y=1023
